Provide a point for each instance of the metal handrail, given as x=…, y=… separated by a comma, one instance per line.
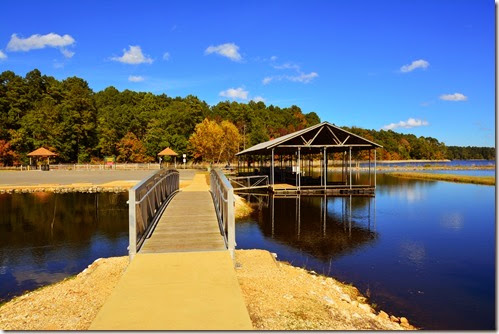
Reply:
x=223, y=199
x=259, y=181
x=146, y=202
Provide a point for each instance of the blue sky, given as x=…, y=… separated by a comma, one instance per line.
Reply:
x=422, y=67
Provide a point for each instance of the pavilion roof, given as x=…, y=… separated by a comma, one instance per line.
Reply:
x=42, y=152
x=313, y=139
x=168, y=151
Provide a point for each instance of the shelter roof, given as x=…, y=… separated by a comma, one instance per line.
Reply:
x=313, y=139
x=41, y=152
x=168, y=151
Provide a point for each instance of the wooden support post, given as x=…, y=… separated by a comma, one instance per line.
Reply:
x=298, y=170
x=325, y=170
x=272, y=169
x=374, y=168
x=350, y=165
x=369, y=167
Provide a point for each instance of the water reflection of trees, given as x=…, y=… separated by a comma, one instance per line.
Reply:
x=326, y=227
x=41, y=219
x=45, y=236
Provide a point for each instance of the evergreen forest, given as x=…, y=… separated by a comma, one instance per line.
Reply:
x=81, y=125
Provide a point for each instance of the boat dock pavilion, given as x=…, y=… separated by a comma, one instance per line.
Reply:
x=315, y=160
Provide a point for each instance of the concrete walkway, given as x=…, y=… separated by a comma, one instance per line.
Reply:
x=170, y=285
x=176, y=291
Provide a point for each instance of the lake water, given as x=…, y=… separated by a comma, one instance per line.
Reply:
x=420, y=249
x=45, y=237
x=469, y=172
x=452, y=163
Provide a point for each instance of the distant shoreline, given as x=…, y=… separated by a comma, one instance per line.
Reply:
x=485, y=180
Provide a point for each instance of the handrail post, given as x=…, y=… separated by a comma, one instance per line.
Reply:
x=132, y=214
x=231, y=226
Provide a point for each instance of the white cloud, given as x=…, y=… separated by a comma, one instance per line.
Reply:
x=235, y=93
x=166, y=56
x=273, y=58
x=420, y=63
x=305, y=78
x=135, y=78
x=3, y=56
x=267, y=80
x=410, y=123
x=287, y=66
x=38, y=41
x=133, y=56
x=301, y=77
x=67, y=53
x=229, y=50
x=453, y=97
x=258, y=99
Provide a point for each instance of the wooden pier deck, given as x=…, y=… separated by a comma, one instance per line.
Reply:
x=183, y=278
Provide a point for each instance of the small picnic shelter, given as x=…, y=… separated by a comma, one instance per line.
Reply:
x=41, y=153
x=169, y=152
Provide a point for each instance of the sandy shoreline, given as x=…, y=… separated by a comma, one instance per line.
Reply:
x=278, y=296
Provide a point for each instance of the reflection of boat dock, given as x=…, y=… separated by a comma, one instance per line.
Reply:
x=325, y=226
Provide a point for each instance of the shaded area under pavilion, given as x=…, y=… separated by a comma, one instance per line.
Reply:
x=317, y=159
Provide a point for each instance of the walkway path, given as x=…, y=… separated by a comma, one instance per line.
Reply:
x=183, y=278
x=189, y=222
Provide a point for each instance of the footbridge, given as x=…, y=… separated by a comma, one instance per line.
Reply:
x=181, y=274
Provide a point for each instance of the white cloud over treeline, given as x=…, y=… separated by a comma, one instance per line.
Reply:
x=38, y=41
x=410, y=123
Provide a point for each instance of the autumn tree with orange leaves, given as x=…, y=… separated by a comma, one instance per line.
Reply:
x=215, y=142
x=131, y=149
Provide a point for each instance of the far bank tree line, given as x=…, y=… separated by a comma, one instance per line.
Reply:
x=85, y=126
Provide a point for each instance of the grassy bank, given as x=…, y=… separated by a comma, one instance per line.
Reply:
x=486, y=180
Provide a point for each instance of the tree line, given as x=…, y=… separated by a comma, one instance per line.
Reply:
x=81, y=125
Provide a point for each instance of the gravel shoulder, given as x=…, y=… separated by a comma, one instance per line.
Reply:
x=278, y=297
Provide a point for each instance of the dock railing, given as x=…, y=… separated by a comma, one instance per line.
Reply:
x=223, y=198
x=146, y=201
x=250, y=182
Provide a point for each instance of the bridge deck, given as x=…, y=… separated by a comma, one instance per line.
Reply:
x=189, y=223
x=183, y=278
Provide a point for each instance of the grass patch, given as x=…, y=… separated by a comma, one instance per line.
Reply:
x=486, y=180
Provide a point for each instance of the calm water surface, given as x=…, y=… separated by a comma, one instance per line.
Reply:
x=421, y=249
x=469, y=172
x=452, y=163
x=45, y=237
